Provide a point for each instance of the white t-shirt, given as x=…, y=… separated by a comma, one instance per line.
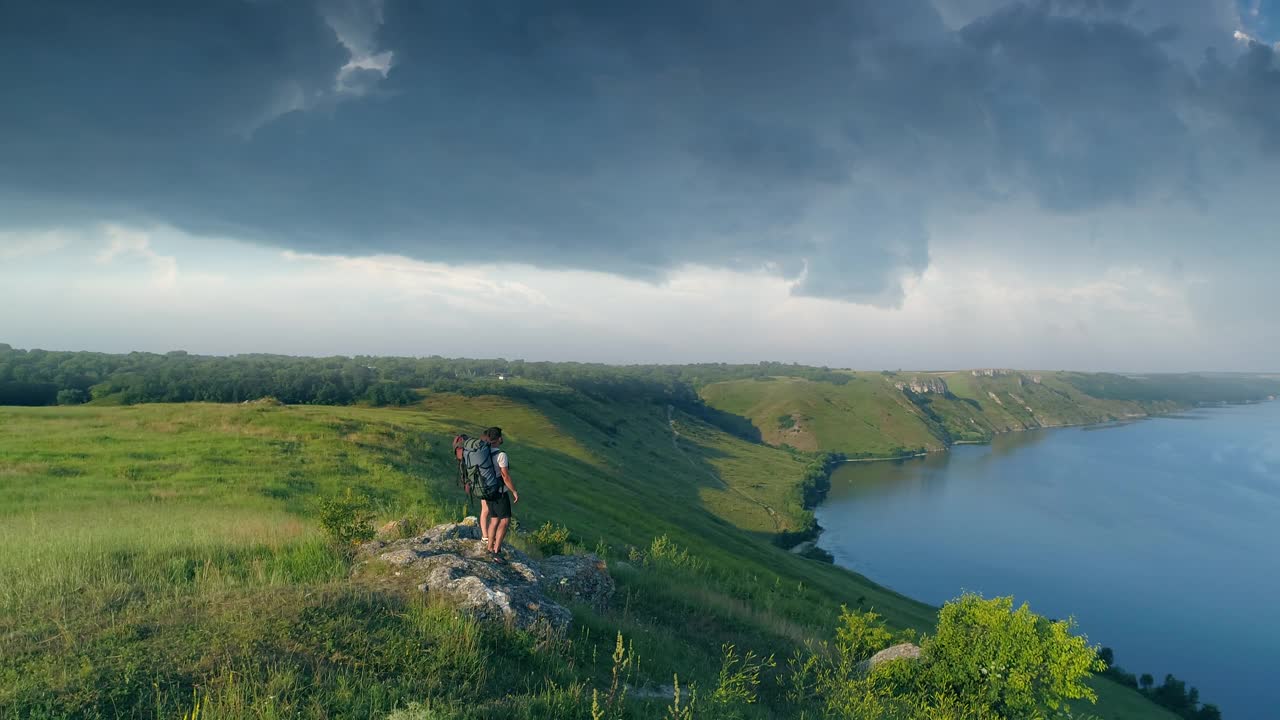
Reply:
x=500, y=459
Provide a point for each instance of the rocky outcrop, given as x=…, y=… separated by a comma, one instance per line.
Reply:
x=581, y=578
x=449, y=561
x=924, y=386
x=903, y=651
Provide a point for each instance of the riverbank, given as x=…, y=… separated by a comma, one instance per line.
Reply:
x=1067, y=522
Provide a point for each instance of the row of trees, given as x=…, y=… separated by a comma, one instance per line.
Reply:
x=40, y=377
x=1172, y=693
x=1186, y=389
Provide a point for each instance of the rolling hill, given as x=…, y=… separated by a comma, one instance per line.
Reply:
x=164, y=559
x=889, y=414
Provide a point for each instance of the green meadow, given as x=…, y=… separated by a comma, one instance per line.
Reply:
x=164, y=560
x=868, y=416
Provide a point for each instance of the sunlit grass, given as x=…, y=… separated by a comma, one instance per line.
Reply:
x=164, y=560
x=93, y=556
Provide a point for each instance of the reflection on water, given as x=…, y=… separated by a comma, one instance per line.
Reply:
x=1159, y=536
x=919, y=473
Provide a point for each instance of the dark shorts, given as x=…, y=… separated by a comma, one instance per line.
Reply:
x=501, y=506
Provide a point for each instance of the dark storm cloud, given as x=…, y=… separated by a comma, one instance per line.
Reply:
x=625, y=137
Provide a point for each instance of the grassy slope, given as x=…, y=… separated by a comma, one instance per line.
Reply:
x=159, y=553
x=870, y=417
x=867, y=415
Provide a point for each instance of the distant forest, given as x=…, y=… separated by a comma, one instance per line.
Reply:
x=43, y=377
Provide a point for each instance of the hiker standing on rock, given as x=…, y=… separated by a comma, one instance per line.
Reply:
x=495, y=514
x=484, y=474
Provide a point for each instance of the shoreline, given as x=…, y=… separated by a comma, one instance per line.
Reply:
x=812, y=539
x=1099, y=423
x=1189, y=411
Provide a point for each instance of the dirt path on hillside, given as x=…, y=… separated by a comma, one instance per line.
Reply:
x=675, y=443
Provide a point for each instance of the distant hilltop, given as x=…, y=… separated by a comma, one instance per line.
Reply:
x=898, y=414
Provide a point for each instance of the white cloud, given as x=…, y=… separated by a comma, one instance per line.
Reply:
x=1248, y=39
x=355, y=24
x=18, y=245
x=124, y=242
x=968, y=309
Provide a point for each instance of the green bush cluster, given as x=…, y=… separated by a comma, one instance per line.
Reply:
x=663, y=553
x=347, y=519
x=550, y=539
x=987, y=661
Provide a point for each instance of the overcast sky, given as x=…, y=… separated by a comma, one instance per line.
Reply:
x=1086, y=184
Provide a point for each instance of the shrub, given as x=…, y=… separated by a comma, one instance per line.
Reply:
x=72, y=396
x=739, y=679
x=550, y=539
x=986, y=662
x=859, y=635
x=347, y=519
x=664, y=553
x=1006, y=662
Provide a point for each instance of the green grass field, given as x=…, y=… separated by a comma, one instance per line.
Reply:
x=866, y=416
x=870, y=417
x=165, y=561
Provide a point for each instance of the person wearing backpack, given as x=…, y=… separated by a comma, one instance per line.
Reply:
x=485, y=475
x=499, y=508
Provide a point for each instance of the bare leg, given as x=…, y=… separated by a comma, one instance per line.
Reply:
x=500, y=532
x=492, y=531
x=484, y=520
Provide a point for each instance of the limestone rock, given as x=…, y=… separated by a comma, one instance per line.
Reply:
x=449, y=560
x=581, y=577
x=903, y=651
x=924, y=386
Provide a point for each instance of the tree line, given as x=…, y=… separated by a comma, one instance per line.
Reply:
x=43, y=377
x=1172, y=693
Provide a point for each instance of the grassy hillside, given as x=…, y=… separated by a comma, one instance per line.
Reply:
x=867, y=415
x=160, y=559
x=887, y=414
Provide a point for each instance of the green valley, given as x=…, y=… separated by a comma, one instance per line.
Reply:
x=164, y=559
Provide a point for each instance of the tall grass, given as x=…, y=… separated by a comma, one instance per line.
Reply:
x=165, y=561
x=129, y=552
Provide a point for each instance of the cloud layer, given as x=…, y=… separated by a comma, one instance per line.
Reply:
x=817, y=142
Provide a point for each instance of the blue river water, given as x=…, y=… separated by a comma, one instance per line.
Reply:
x=1161, y=537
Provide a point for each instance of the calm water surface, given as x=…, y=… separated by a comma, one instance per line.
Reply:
x=1161, y=537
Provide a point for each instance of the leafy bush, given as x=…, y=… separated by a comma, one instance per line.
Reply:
x=986, y=662
x=347, y=519
x=1006, y=662
x=739, y=680
x=550, y=539
x=664, y=553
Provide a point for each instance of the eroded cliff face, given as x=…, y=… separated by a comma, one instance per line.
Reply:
x=924, y=385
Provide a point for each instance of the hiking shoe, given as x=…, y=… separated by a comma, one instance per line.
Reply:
x=498, y=559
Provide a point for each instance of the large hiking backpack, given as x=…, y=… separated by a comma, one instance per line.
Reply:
x=478, y=471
